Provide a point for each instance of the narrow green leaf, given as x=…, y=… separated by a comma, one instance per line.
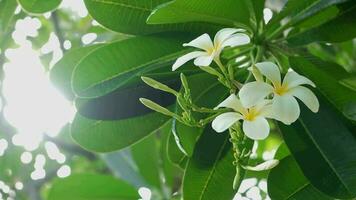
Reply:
x=210, y=173
x=130, y=17
x=287, y=182
x=121, y=165
x=325, y=149
x=105, y=136
x=228, y=12
x=339, y=29
x=123, y=62
x=7, y=12
x=174, y=151
x=146, y=156
x=61, y=72
x=91, y=187
x=349, y=82
x=124, y=102
x=39, y=6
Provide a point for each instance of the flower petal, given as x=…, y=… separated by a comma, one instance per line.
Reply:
x=185, y=58
x=202, y=42
x=306, y=96
x=236, y=40
x=225, y=120
x=224, y=34
x=264, y=108
x=267, y=165
x=285, y=108
x=271, y=71
x=232, y=102
x=204, y=60
x=257, y=129
x=253, y=92
x=293, y=79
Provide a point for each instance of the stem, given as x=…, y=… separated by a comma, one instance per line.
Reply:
x=57, y=30
x=241, y=149
x=221, y=67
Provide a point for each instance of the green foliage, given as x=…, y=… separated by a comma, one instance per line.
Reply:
x=124, y=62
x=325, y=150
x=235, y=12
x=131, y=17
x=105, y=136
x=61, y=73
x=328, y=77
x=209, y=168
x=39, y=6
x=298, y=186
x=118, y=82
x=91, y=187
x=339, y=29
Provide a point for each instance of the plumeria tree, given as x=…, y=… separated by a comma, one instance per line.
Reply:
x=192, y=99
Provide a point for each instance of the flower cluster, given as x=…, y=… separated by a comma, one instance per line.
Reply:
x=267, y=97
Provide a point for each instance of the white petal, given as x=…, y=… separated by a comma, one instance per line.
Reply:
x=225, y=120
x=202, y=42
x=267, y=165
x=185, y=58
x=223, y=34
x=253, y=92
x=264, y=108
x=306, y=96
x=271, y=71
x=293, y=79
x=236, y=40
x=204, y=60
x=257, y=129
x=285, y=108
x=232, y=102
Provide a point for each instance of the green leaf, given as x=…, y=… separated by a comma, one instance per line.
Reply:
x=349, y=82
x=61, y=72
x=125, y=102
x=7, y=12
x=175, y=151
x=130, y=17
x=170, y=170
x=39, y=6
x=228, y=12
x=256, y=7
x=210, y=173
x=146, y=156
x=286, y=181
x=108, y=68
x=91, y=187
x=325, y=149
x=122, y=165
x=339, y=29
x=105, y=136
x=299, y=11
x=326, y=76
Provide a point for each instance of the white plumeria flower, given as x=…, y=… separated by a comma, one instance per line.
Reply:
x=211, y=50
x=285, y=107
x=255, y=125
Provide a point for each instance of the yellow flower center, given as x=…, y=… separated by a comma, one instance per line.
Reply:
x=251, y=114
x=211, y=51
x=281, y=89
